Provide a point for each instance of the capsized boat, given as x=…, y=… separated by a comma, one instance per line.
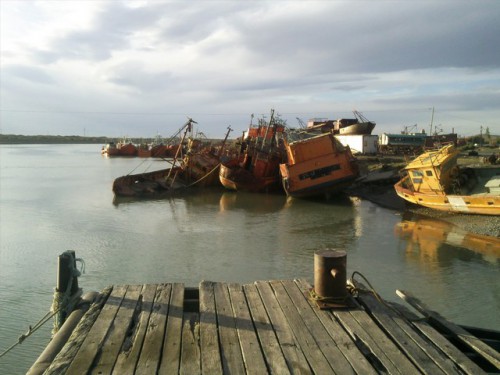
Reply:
x=153, y=184
x=435, y=180
x=199, y=166
x=202, y=164
x=358, y=125
x=317, y=165
x=256, y=169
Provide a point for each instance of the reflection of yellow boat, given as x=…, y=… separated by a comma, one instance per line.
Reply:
x=434, y=180
x=429, y=234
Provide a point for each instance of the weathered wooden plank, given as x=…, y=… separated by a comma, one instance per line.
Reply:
x=118, y=331
x=489, y=336
x=429, y=347
x=170, y=361
x=461, y=334
x=209, y=336
x=232, y=359
x=149, y=359
x=346, y=345
x=92, y=344
x=373, y=343
x=190, y=363
x=391, y=350
x=63, y=359
x=405, y=339
x=295, y=358
x=324, y=341
x=454, y=355
x=270, y=346
x=128, y=357
x=305, y=338
x=249, y=343
x=266, y=327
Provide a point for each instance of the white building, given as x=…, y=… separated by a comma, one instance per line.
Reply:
x=360, y=143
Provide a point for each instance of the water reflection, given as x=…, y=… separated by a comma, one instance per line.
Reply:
x=268, y=203
x=437, y=242
x=118, y=200
x=323, y=216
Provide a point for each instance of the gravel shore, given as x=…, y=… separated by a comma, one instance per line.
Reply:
x=478, y=224
x=386, y=197
x=383, y=194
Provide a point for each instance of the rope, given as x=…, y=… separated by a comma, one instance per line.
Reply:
x=317, y=297
x=202, y=178
x=82, y=266
x=27, y=334
x=141, y=163
x=62, y=301
x=150, y=164
x=32, y=329
x=356, y=289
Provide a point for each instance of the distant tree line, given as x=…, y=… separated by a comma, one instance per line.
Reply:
x=485, y=139
x=52, y=139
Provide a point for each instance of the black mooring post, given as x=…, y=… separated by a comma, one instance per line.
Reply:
x=330, y=274
x=66, y=274
x=66, y=264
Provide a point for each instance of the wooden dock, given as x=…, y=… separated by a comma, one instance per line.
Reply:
x=266, y=327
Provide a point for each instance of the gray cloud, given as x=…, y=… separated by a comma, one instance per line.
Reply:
x=30, y=74
x=311, y=58
x=133, y=75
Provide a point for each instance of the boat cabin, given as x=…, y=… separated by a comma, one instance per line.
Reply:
x=313, y=148
x=433, y=172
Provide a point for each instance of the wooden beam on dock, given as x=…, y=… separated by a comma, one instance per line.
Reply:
x=461, y=334
x=266, y=327
x=466, y=365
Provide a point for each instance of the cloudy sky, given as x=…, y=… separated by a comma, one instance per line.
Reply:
x=138, y=68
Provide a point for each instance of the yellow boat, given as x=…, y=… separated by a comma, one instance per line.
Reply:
x=434, y=180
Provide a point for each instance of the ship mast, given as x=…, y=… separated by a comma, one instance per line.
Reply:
x=432, y=120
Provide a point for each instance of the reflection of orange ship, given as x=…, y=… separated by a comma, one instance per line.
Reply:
x=430, y=234
x=269, y=203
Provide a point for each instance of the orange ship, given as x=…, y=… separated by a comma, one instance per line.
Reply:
x=256, y=169
x=122, y=148
x=317, y=165
x=197, y=168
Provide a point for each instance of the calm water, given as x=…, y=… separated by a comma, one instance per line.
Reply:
x=58, y=197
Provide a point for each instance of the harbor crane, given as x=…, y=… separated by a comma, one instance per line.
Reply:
x=301, y=123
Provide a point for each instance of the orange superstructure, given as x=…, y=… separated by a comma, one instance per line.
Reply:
x=256, y=169
x=317, y=165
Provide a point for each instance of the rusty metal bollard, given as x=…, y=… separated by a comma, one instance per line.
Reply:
x=330, y=279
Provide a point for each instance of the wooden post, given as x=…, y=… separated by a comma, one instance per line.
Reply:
x=66, y=263
x=66, y=266
x=330, y=280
